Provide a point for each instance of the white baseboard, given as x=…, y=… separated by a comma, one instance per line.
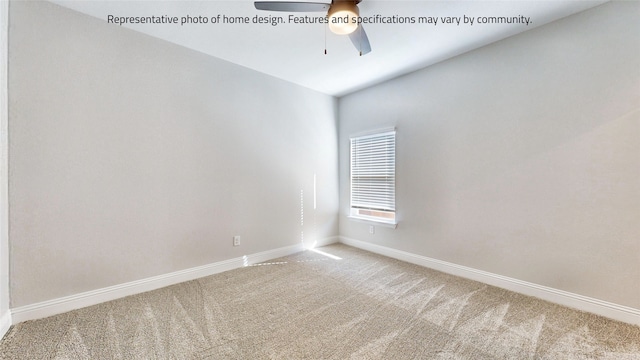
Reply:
x=93, y=297
x=5, y=323
x=575, y=301
x=325, y=241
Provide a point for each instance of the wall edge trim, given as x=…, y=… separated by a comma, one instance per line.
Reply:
x=576, y=301
x=5, y=323
x=326, y=241
x=76, y=301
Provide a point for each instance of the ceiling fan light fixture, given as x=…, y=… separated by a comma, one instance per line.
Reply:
x=343, y=17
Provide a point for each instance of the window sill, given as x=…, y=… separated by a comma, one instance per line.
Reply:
x=372, y=221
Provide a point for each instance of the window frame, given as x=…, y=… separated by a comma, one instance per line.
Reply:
x=374, y=214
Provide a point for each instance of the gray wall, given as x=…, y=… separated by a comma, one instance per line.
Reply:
x=520, y=158
x=132, y=157
x=4, y=195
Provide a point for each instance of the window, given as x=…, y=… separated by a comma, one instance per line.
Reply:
x=373, y=177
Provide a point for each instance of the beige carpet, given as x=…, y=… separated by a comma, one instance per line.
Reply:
x=310, y=306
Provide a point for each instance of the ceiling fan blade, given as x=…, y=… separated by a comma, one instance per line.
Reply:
x=360, y=40
x=290, y=6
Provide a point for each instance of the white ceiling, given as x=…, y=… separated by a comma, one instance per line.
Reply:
x=295, y=52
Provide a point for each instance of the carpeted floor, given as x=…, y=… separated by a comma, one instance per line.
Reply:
x=311, y=306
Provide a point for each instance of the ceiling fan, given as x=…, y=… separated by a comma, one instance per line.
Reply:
x=340, y=9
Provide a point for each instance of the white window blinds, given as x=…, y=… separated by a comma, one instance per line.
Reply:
x=373, y=173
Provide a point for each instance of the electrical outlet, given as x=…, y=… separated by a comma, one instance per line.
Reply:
x=236, y=240
x=372, y=229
